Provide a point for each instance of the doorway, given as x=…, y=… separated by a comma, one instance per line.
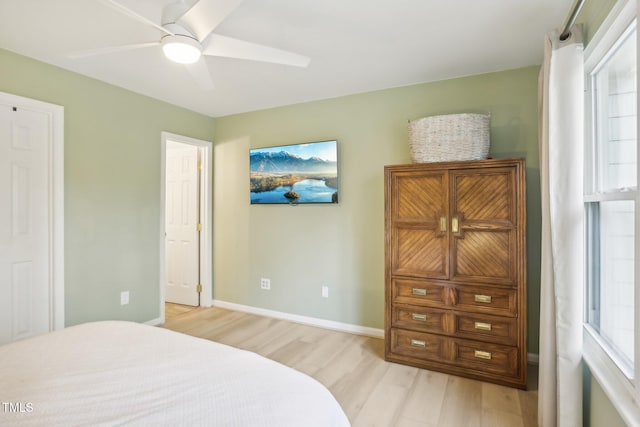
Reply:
x=32, y=217
x=185, y=253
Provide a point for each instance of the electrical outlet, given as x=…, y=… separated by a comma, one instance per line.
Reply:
x=124, y=297
x=325, y=292
x=265, y=284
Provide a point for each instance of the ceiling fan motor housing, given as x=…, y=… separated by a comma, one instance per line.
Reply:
x=181, y=46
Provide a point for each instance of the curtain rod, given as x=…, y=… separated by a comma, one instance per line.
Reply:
x=572, y=19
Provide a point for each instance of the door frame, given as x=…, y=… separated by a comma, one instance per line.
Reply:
x=55, y=115
x=206, y=210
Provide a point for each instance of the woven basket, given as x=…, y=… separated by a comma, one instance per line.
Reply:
x=449, y=137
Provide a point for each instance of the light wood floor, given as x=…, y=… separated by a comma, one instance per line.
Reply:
x=174, y=310
x=372, y=392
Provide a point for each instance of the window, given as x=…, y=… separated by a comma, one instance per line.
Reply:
x=610, y=194
x=612, y=212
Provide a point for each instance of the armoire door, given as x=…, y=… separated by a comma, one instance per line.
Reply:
x=418, y=225
x=483, y=225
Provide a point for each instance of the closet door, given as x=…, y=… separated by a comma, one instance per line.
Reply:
x=417, y=224
x=484, y=225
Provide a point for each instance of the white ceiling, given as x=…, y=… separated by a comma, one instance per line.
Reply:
x=354, y=45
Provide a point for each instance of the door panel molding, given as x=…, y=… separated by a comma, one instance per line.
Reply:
x=55, y=117
x=182, y=216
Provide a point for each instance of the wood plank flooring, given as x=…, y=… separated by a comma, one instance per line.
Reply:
x=172, y=310
x=372, y=392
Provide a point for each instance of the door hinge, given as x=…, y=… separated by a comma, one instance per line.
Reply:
x=199, y=288
x=200, y=165
x=199, y=227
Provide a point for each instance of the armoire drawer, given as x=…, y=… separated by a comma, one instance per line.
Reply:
x=496, y=329
x=418, y=318
x=485, y=299
x=493, y=358
x=417, y=344
x=418, y=292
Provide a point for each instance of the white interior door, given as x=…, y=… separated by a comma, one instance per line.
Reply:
x=25, y=244
x=182, y=218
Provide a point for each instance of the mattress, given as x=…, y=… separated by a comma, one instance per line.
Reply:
x=124, y=373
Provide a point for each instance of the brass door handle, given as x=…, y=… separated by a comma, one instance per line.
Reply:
x=455, y=226
x=443, y=224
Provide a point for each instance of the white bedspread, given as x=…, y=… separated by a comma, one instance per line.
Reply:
x=123, y=373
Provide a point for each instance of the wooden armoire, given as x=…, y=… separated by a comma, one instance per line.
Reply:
x=455, y=255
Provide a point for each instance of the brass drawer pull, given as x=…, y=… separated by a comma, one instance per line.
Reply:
x=483, y=298
x=418, y=343
x=482, y=355
x=420, y=317
x=483, y=326
x=418, y=291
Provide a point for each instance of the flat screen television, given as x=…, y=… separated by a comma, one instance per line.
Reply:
x=295, y=174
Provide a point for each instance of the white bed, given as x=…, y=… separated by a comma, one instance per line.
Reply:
x=124, y=373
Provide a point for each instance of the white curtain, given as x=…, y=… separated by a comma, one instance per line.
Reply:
x=561, y=109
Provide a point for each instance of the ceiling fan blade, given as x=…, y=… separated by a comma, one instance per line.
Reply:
x=229, y=47
x=109, y=49
x=132, y=14
x=200, y=73
x=206, y=15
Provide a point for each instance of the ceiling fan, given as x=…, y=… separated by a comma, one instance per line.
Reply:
x=187, y=34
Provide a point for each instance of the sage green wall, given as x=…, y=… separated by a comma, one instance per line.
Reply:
x=112, y=186
x=342, y=246
x=598, y=409
x=592, y=15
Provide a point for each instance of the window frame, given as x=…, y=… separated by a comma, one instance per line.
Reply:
x=623, y=392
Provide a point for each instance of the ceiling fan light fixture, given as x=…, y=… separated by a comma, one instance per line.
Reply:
x=181, y=49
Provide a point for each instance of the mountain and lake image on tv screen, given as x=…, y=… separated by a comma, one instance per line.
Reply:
x=293, y=174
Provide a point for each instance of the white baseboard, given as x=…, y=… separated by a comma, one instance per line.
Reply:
x=154, y=322
x=305, y=320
